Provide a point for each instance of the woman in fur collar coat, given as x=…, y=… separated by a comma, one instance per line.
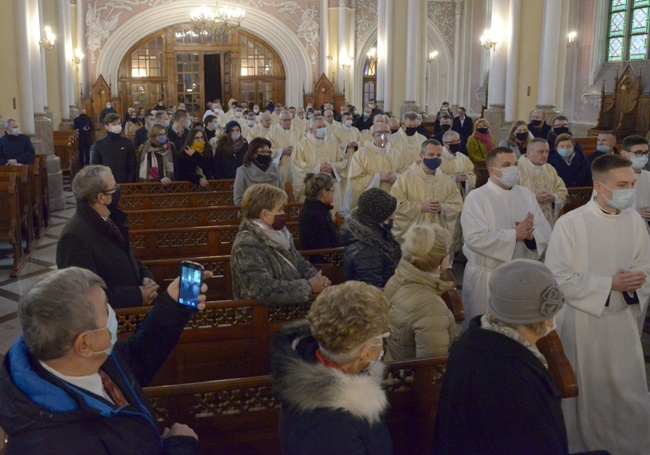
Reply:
x=327, y=373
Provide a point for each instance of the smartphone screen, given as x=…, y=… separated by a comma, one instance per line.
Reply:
x=191, y=278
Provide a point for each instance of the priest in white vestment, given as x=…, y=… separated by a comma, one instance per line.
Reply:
x=318, y=153
x=426, y=195
x=541, y=178
x=284, y=137
x=457, y=165
x=262, y=129
x=375, y=165
x=407, y=140
x=379, y=118
x=349, y=139
x=501, y=221
x=635, y=149
x=331, y=124
x=247, y=125
x=600, y=256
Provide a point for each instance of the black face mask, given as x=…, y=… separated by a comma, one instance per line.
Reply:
x=536, y=122
x=264, y=160
x=445, y=128
x=455, y=148
x=482, y=130
x=393, y=131
x=411, y=131
x=115, y=201
x=561, y=130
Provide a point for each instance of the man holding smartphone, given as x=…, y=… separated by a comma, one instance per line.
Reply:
x=68, y=385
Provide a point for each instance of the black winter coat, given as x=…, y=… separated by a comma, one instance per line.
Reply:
x=316, y=227
x=578, y=174
x=85, y=136
x=178, y=139
x=117, y=153
x=497, y=398
x=541, y=131
x=44, y=415
x=187, y=166
x=141, y=136
x=17, y=148
x=87, y=241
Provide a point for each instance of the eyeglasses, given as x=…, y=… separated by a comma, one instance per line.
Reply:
x=330, y=190
x=641, y=153
x=378, y=343
x=112, y=190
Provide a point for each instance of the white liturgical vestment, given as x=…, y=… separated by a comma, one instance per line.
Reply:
x=488, y=222
x=601, y=339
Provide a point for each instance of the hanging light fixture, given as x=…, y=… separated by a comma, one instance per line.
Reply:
x=220, y=22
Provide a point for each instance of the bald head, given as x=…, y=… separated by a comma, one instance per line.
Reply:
x=379, y=118
x=328, y=115
x=265, y=119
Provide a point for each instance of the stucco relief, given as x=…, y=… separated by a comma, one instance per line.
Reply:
x=105, y=16
x=365, y=20
x=591, y=99
x=442, y=13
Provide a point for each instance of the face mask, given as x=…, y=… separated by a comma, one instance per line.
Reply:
x=115, y=129
x=199, y=146
x=250, y=123
x=521, y=137
x=15, y=131
x=111, y=325
x=535, y=122
x=310, y=116
x=639, y=162
x=321, y=133
x=263, y=159
x=621, y=199
x=432, y=163
x=257, y=111
x=565, y=153
x=411, y=131
x=237, y=114
x=509, y=176
x=393, y=131
x=482, y=130
x=455, y=148
x=279, y=221
x=235, y=136
x=150, y=123
x=366, y=115
x=377, y=360
x=161, y=139
x=115, y=200
x=108, y=105
x=167, y=123
x=348, y=123
x=602, y=148
x=445, y=128
x=561, y=130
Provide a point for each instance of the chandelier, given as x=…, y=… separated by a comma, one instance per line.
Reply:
x=220, y=22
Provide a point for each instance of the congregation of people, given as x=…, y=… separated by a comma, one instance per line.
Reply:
x=413, y=205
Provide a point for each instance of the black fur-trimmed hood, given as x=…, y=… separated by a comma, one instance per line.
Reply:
x=301, y=382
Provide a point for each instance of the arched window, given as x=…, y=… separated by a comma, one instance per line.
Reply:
x=627, y=30
x=370, y=76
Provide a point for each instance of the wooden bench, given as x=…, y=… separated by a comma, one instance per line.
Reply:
x=36, y=193
x=10, y=225
x=577, y=197
x=195, y=216
x=175, y=187
x=240, y=416
x=176, y=200
x=24, y=185
x=186, y=242
x=66, y=147
x=41, y=161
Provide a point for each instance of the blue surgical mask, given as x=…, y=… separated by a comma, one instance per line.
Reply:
x=111, y=325
x=167, y=123
x=565, y=153
x=250, y=123
x=621, y=199
x=161, y=139
x=321, y=133
x=602, y=148
x=432, y=163
x=639, y=162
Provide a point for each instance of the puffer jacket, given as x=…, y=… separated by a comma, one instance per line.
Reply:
x=420, y=323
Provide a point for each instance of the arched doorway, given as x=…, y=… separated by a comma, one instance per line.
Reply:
x=180, y=65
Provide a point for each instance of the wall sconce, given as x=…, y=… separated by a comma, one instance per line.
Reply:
x=372, y=53
x=432, y=56
x=347, y=62
x=488, y=41
x=571, y=38
x=48, y=40
x=78, y=56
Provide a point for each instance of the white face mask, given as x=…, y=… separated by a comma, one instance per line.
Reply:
x=321, y=133
x=621, y=199
x=256, y=110
x=237, y=114
x=115, y=129
x=639, y=162
x=250, y=123
x=509, y=176
x=348, y=123
x=235, y=136
x=108, y=105
x=15, y=131
x=111, y=325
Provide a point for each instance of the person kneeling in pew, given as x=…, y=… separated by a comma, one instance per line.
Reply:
x=69, y=386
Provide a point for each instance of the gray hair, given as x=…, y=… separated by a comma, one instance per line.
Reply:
x=56, y=310
x=8, y=122
x=409, y=116
x=447, y=136
x=89, y=183
x=316, y=118
x=285, y=113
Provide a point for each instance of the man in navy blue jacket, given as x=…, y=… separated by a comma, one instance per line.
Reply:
x=15, y=148
x=69, y=386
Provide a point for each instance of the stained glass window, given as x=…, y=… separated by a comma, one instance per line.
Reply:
x=628, y=28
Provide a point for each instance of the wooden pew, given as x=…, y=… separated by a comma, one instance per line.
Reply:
x=577, y=197
x=179, y=200
x=36, y=193
x=186, y=242
x=195, y=216
x=588, y=144
x=10, y=230
x=23, y=182
x=240, y=416
x=558, y=365
x=41, y=161
x=66, y=147
x=175, y=187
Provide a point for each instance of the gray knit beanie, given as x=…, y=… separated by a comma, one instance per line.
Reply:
x=523, y=291
x=377, y=205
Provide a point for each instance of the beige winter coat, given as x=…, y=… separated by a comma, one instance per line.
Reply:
x=420, y=323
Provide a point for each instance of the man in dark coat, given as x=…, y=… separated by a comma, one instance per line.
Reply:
x=142, y=134
x=498, y=396
x=463, y=125
x=69, y=386
x=116, y=151
x=109, y=109
x=16, y=149
x=538, y=126
x=364, y=122
x=84, y=125
x=97, y=239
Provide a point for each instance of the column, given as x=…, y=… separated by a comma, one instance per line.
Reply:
x=64, y=86
x=35, y=59
x=455, y=81
x=548, y=62
x=381, y=53
x=42, y=53
x=498, y=56
x=412, y=54
x=388, y=59
x=324, y=35
x=343, y=48
x=68, y=59
x=512, y=72
x=26, y=99
x=81, y=45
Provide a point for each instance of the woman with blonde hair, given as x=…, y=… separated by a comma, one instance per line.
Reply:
x=518, y=138
x=421, y=325
x=480, y=142
x=157, y=157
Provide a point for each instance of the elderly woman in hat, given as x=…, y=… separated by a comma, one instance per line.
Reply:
x=327, y=374
x=371, y=252
x=498, y=396
x=229, y=152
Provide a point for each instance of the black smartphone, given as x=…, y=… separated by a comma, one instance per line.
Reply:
x=190, y=286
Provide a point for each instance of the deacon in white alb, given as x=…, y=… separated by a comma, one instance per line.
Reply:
x=635, y=149
x=501, y=221
x=600, y=256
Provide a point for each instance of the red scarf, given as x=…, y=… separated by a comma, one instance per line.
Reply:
x=326, y=362
x=485, y=138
